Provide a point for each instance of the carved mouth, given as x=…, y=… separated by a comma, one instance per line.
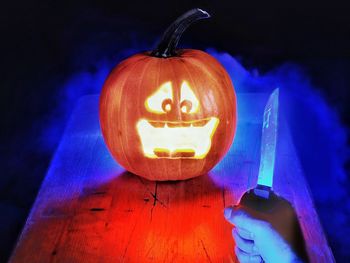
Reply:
x=167, y=139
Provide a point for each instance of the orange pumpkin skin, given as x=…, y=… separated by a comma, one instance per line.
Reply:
x=122, y=105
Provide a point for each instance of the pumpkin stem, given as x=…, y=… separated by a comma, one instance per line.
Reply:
x=168, y=43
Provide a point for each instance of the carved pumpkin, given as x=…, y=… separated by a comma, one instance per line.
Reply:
x=169, y=114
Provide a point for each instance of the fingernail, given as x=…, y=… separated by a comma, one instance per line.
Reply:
x=227, y=213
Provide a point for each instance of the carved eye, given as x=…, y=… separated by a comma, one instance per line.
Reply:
x=167, y=105
x=160, y=102
x=189, y=102
x=186, y=106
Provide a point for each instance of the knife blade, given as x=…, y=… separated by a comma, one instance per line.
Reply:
x=268, y=146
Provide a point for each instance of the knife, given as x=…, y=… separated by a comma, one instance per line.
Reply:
x=262, y=202
x=262, y=198
x=268, y=146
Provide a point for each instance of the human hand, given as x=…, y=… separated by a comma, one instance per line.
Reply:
x=256, y=240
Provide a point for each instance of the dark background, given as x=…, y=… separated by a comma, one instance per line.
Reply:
x=43, y=43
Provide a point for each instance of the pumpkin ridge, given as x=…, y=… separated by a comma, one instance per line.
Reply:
x=132, y=67
x=143, y=71
x=194, y=83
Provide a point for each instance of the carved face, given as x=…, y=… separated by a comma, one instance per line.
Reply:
x=175, y=139
x=168, y=119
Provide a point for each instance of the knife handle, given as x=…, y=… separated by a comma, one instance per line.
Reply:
x=280, y=214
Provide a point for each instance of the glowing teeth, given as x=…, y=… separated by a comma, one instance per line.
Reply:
x=177, y=139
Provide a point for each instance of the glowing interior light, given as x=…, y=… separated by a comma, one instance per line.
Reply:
x=154, y=102
x=168, y=107
x=188, y=94
x=165, y=139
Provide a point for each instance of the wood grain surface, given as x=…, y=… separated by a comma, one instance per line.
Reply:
x=91, y=210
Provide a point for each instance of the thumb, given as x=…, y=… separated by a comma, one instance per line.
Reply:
x=228, y=211
x=238, y=217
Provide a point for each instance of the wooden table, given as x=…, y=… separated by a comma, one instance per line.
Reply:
x=90, y=210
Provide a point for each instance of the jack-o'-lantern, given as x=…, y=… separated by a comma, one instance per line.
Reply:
x=169, y=114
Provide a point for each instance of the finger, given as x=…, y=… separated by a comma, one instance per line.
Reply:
x=244, y=244
x=242, y=220
x=244, y=233
x=246, y=258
